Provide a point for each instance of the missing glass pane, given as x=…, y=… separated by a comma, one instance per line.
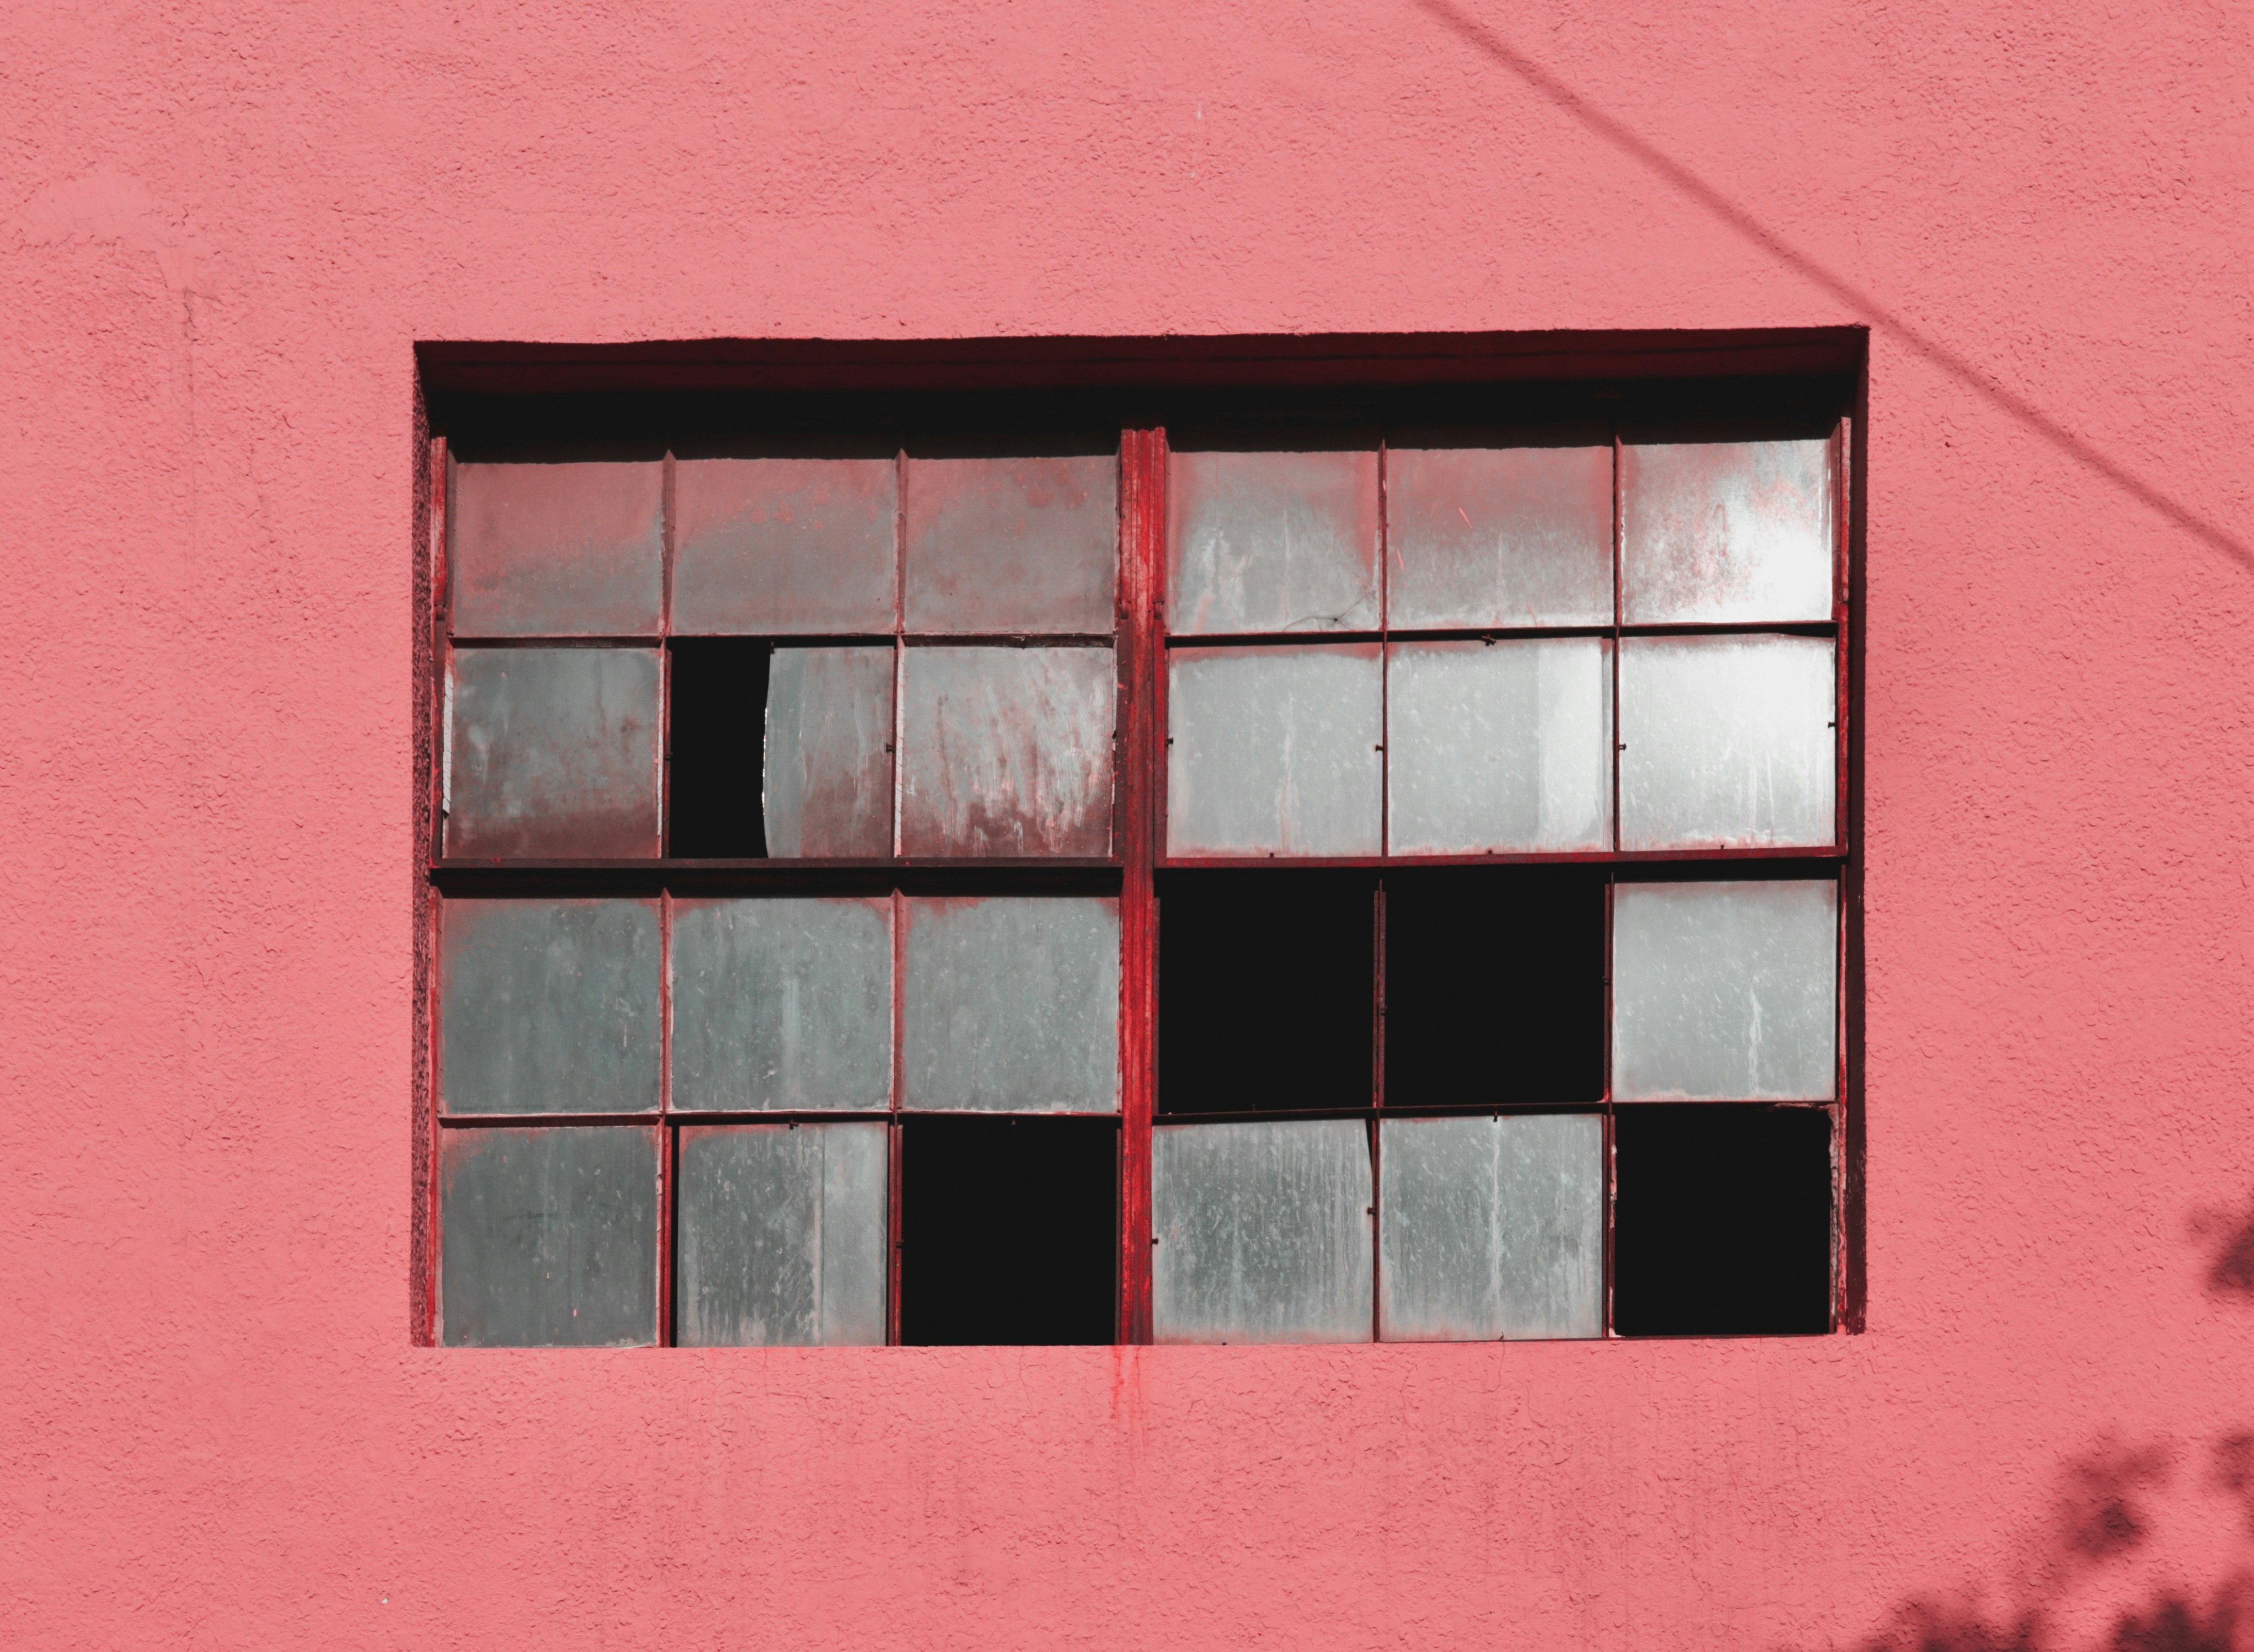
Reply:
x=1009, y=1230
x=1723, y=1223
x=1495, y=986
x=720, y=715
x=1265, y=990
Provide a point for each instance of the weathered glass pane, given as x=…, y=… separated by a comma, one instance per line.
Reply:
x=548, y=1238
x=1725, y=991
x=552, y=753
x=1499, y=536
x=548, y=1007
x=781, y=547
x=827, y=779
x=1008, y=751
x=782, y=1003
x=1500, y=746
x=1715, y=532
x=1274, y=750
x=557, y=549
x=1491, y=1227
x=1012, y=1006
x=1262, y=1232
x=1007, y=545
x=782, y=1235
x=1272, y=541
x=1727, y=741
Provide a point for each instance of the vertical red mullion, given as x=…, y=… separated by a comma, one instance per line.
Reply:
x=437, y=552
x=668, y=1143
x=1841, y=713
x=1611, y=1163
x=1377, y=896
x=1142, y=532
x=896, y=1134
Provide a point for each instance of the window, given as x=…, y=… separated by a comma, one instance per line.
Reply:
x=1202, y=868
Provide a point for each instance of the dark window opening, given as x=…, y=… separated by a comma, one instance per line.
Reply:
x=1723, y=1220
x=1009, y=1230
x=718, y=748
x=1494, y=987
x=1266, y=984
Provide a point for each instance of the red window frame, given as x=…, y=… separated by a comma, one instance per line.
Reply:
x=1174, y=371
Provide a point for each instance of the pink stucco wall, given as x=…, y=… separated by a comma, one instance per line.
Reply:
x=223, y=227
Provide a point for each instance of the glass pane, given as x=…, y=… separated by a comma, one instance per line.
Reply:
x=1006, y=545
x=828, y=777
x=557, y=549
x=1008, y=751
x=1272, y=541
x=779, y=546
x=1500, y=746
x=1725, y=991
x=783, y=1004
x=1499, y=536
x=1274, y=751
x=1262, y=1232
x=548, y=1006
x=782, y=1235
x=1012, y=1006
x=548, y=1238
x=1727, y=741
x=1736, y=532
x=552, y=753
x=1491, y=1227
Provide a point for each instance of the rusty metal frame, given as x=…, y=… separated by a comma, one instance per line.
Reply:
x=1142, y=644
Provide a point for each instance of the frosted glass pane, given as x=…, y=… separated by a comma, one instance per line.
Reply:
x=1262, y=1232
x=1272, y=541
x=782, y=1235
x=782, y=1004
x=1008, y=545
x=775, y=546
x=1274, y=751
x=552, y=753
x=1499, y=536
x=547, y=550
x=548, y=1006
x=1728, y=741
x=828, y=781
x=1491, y=1227
x=1714, y=532
x=1500, y=746
x=1012, y=1006
x=1007, y=751
x=1725, y=991
x=548, y=1238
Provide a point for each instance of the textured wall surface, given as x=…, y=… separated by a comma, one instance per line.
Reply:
x=223, y=226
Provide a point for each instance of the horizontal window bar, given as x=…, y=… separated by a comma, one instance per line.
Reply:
x=1577, y=857
x=1499, y=634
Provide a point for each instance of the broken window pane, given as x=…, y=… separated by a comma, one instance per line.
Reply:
x=552, y=753
x=1727, y=532
x=1274, y=751
x=828, y=768
x=1262, y=1232
x=1006, y=545
x=548, y=1238
x=1012, y=1006
x=782, y=547
x=548, y=1006
x=783, y=1003
x=1722, y=1223
x=1009, y=1230
x=1272, y=541
x=1008, y=751
x=1725, y=990
x=1500, y=537
x=1491, y=1227
x=557, y=550
x=720, y=689
x=1727, y=741
x=782, y=1241
x=1500, y=746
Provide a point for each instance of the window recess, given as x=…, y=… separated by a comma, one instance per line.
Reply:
x=1361, y=867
